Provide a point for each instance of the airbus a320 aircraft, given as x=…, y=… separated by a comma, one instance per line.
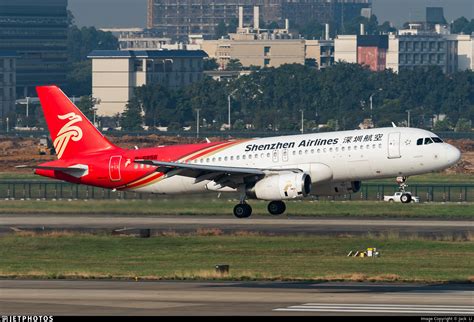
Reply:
x=273, y=169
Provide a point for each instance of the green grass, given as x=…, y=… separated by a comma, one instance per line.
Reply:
x=429, y=178
x=196, y=206
x=249, y=256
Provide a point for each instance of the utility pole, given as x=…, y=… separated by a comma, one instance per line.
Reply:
x=197, y=123
x=371, y=105
x=408, y=123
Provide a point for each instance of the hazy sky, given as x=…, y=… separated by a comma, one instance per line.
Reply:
x=132, y=13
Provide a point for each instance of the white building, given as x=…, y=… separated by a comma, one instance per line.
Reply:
x=465, y=51
x=115, y=73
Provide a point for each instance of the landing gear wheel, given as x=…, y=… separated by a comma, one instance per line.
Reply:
x=242, y=210
x=405, y=198
x=276, y=207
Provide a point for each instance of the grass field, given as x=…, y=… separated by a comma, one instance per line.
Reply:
x=196, y=206
x=64, y=255
x=421, y=179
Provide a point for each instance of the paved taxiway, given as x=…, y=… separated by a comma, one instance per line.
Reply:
x=230, y=298
x=275, y=225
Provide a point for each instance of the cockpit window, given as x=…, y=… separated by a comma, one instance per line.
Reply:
x=437, y=140
x=428, y=141
x=419, y=141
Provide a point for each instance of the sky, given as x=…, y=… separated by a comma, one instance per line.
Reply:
x=132, y=13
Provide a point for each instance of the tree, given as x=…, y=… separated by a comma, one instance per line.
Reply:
x=80, y=43
x=234, y=64
x=131, y=119
x=86, y=105
x=221, y=29
x=211, y=64
x=463, y=125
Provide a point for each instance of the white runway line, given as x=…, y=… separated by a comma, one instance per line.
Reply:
x=380, y=308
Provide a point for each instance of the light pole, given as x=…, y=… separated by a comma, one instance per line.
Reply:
x=27, y=110
x=197, y=122
x=302, y=121
x=408, y=122
x=371, y=105
x=228, y=111
x=228, y=107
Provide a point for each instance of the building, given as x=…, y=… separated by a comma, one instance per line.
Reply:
x=116, y=73
x=405, y=50
x=465, y=51
x=7, y=86
x=320, y=50
x=139, y=39
x=37, y=31
x=179, y=18
x=260, y=53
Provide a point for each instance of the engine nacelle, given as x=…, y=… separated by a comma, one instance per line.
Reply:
x=282, y=186
x=337, y=188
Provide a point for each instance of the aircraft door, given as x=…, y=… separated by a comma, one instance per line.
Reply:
x=114, y=168
x=394, y=145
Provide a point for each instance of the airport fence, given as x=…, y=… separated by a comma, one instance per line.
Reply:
x=55, y=190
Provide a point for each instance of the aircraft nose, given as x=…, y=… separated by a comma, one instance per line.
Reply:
x=453, y=154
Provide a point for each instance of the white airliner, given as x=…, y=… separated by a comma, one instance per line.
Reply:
x=273, y=169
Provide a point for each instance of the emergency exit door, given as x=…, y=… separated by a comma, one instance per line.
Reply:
x=394, y=145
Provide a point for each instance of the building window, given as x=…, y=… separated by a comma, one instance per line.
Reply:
x=266, y=62
x=138, y=66
x=266, y=50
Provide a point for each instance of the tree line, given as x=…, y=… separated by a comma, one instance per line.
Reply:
x=273, y=99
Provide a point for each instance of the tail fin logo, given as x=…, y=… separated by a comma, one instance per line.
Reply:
x=68, y=131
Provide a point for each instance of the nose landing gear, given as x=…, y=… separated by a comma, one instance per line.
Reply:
x=406, y=196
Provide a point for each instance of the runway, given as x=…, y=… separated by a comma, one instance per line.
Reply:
x=270, y=225
x=24, y=297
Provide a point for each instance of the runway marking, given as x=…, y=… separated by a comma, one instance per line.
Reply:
x=380, y=308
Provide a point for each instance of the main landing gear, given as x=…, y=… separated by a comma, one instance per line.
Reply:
x=243, y=210
x=276, y=207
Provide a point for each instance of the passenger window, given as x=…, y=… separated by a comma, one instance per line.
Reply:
x=355, y=147
x=319, y=150
x=250, y=156
x=343, y=148
x=231, y=158
x=237, y=157
x=268, y=154
x=437, y=140
x=300, y=152
x=419, y=142
x=312, y=151
x=428, y=141
x=305, y=151
x=294, y=153
x=380, y=145
x=213, y=159
x=330, y=149
x=243, y=157
x=256, y=156
x=225, y=158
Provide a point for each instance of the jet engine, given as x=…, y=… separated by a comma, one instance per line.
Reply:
x=281, y=186
x=337, y=188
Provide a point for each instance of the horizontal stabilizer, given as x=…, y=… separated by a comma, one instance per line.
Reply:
x=78, y=170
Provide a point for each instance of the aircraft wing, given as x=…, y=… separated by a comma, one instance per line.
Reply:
x=223, y=175
x=77, y=171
